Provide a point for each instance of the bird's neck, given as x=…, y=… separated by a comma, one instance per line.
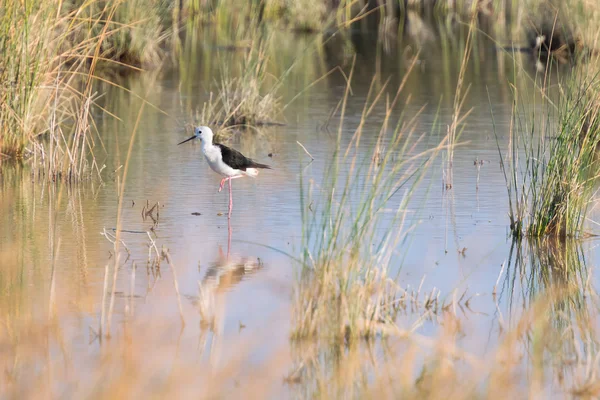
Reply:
x=207, y=145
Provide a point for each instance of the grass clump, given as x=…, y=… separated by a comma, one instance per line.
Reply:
x=350, y=234
x=303, y=15
x=551, y=188
x=246, y=98
x=137, y=33
x=23, y=61
x=50, y=54
x=131, y=31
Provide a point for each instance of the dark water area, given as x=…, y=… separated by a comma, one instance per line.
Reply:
x=51, y=235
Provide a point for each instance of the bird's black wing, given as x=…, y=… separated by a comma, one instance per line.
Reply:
x=237, y=160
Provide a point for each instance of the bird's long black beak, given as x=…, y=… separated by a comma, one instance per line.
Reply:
x=187, y=140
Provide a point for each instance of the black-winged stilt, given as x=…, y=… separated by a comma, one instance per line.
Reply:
x=225, y=161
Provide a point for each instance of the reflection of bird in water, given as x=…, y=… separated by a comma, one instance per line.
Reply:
x=221, y=277
x=225, y=274
x=225, y=161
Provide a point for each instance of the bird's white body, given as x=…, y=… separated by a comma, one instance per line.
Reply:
x=214, y=159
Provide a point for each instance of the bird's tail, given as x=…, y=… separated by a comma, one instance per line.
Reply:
x=253, y=170
x=259, y=165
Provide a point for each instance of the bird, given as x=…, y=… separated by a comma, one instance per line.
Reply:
x=225, y=161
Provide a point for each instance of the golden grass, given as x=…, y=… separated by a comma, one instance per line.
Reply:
x=51, y=52
x=528, y=357
x=244, y=98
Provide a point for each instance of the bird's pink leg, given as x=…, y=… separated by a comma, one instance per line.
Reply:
x=226, y=179
x=222, y=184
x=228, y=237
x=230, y=199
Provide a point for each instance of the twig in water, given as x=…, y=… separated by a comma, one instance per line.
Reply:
x=148, y=212
x=498, y=280
x=103, y=312
x=306, y=151
x=131, y=289
x=112, y=293
x=127, y=231
x=152, y=244
x=53, y=281
x=112, y=238
x=326, y=125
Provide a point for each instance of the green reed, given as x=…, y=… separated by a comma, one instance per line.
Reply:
x=551, y=165
x=51, y=51
x=349, y=233
x=25, y=56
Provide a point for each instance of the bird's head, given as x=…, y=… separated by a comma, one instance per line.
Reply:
x=203, y=133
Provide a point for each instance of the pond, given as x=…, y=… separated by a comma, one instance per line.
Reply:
x=235, y=278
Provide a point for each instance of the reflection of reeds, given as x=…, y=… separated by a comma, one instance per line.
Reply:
x=528, y=359
x=550, y=339
x=555, y=272
x=538, y=266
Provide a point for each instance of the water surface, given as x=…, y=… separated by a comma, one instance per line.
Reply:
x=460, y=243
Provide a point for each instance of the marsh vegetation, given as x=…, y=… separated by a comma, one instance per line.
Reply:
x=428, y=229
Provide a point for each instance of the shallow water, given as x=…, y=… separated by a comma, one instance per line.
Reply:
x=460, y=243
